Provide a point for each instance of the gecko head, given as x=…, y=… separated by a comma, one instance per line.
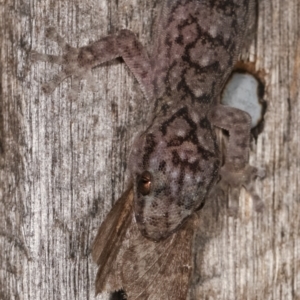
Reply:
x=171, y=178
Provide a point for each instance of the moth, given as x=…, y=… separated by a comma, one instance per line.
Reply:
x=140, y=267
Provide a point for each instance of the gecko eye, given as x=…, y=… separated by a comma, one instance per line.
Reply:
x=144, y=183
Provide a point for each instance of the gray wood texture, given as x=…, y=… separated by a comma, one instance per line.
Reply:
x=63, y=164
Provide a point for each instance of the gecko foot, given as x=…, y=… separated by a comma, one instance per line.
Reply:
x=76, y=62
x=235, y=180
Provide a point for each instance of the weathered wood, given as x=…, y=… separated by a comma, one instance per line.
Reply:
x=63, y=164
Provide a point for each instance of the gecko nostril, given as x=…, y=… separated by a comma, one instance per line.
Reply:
x=144, y=183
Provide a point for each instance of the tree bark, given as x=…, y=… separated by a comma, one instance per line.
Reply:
x=63, y=164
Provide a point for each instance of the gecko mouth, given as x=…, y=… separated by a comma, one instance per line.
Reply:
x=155, y=229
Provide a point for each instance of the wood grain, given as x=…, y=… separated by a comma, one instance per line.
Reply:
x=63, y=164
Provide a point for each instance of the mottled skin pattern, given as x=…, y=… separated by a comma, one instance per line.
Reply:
x=198, y=44
x=175, y=162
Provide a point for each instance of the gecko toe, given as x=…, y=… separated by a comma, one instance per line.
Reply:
x=48, y=88
x=233, y=206
x=33, y=56
x=258, y=204
x=261, y=173
x=36, y=56
x=50, y=32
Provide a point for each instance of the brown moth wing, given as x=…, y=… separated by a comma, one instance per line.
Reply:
x=153, y=270
x=110, y=236
x=143, y=268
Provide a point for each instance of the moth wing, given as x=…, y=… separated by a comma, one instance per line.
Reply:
x=144, y=269
x=151, y=270
x=110, y=236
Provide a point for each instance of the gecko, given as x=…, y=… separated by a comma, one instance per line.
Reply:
x=175, y=163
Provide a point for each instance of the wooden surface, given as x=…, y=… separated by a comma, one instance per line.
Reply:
x=63, y=164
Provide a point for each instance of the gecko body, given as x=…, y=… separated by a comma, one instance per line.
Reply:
x=177, y=155
x=175, y=162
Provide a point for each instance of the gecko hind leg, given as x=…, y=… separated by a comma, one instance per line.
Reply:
x=78, y=62
x=71, y=66
x=236, y=172
x=52, y=34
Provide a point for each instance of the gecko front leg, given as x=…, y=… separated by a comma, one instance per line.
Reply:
x=78, y=62
x=236, y=172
